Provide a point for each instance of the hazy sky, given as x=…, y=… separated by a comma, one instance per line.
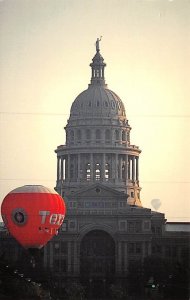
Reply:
x=46, y=47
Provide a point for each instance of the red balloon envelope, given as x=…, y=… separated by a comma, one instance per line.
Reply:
x=33, y=214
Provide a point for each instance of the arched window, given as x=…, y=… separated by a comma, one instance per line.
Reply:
x=117, y=135
x=113, y=105
x=97, y=171
x=118, y=105
x=88, y=172
x=107, y=171
x=108, y=136
x=98, y=135
x=88, y=134
x=128, y=137
x=94, y=257
x=72, y=136
x=78, y=136
x=123, y=135
x=123, y=170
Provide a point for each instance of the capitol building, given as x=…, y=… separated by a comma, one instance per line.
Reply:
x=107, y=236
x=106, y=229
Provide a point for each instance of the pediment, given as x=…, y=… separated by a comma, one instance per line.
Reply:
x=99, y=191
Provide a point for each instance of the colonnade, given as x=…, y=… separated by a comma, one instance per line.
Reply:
x=93, y=166
x=73, y=255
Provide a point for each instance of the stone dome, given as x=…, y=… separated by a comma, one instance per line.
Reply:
x=97, y=101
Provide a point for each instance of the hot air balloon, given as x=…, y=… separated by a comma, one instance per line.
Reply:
x=156, y=203
x=33, y=214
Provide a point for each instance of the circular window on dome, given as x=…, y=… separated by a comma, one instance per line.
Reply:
x=118, y=105
x=113, y=104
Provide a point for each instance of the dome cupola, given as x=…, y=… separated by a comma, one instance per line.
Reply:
x=97, y=101
x=98, y=66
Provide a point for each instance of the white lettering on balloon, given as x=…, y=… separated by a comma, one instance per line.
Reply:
x=55, y=219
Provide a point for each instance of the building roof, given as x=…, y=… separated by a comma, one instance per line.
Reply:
x=177, y=226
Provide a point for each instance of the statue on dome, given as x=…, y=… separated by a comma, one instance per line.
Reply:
x=97, y=44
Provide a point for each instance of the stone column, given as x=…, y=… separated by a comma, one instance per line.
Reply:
x=125, y=257
x=143, y=250
x=76, y=258
x=58, y=178
x=61, y=169
x=51, y=255
x=126, y=167
x=137, y=168
x=91, y=167
x=113, y=137
x=129, y=167
x=45, y=259
x=68, y=166
x=79, y=174
x=103, y=167
x=118, y=258
x=116, y=166
x=69, y=257
x=120, y=167
x=120, y=136
x=149, y=249
x=133, y=168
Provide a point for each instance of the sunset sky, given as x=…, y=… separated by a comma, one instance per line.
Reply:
x=46, y=47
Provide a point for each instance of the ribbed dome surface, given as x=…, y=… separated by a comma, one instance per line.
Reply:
x=97, y=101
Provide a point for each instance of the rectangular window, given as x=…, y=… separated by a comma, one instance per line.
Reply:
x=63, y=265
x=131, y=226
x=146, y=225
x=56, y=265
x=174, y=251
x=168, y=251
x=138, y=248
x=64, y=226
x=72, y=225
x=146, y=248
x=48, y=249
x=131, y=248
x=138, y=226
x=158, y=249
x=64, y=248
x=122, y=225
x=56, y=248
